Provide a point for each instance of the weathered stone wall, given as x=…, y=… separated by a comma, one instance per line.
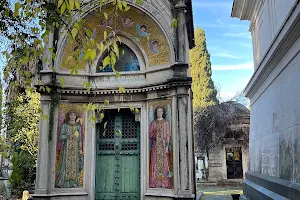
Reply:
x=275, y=122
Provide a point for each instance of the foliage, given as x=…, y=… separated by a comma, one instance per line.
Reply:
x=22, y=119
x=23, y=166
x=203, y=87
x=21, y=124
x=214, y=125
x=28, y=24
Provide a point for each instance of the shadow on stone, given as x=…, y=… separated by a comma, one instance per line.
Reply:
x=235, y=196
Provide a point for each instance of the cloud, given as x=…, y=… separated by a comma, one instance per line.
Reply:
x=216, y=51
x=218, y=23
x=246, y=35
x=245, y=66
x=225, y=55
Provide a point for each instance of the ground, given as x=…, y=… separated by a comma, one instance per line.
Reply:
x=219, y=192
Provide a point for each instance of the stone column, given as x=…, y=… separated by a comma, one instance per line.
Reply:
x=179, y=14
x=47, y=59
x=42, y=176
x=184, y=135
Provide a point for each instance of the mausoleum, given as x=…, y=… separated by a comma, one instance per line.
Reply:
x=141, y=145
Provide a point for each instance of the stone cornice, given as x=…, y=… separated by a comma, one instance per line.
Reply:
x=170, y=84
x=244, y=9
x=280, y=45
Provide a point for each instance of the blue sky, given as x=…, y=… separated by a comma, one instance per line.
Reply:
x=229, y=44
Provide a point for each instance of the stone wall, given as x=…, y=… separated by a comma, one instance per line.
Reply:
x=275, y=143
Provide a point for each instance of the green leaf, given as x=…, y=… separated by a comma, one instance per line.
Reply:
x=53, y=69
x=127, y=8
x=74, y=32
x=17, y=7
x=27, y=74
x=48, y=89
x=100, y=47
x=116, y=49
x=139, y=1
x=119, y=108
x=93, y=54
x=119, y=132
x=101, y=116
x=45, y=117
x=71, y=3
x=104, y=35
x=63, y=8
x=124, y=4
x=120, y=5
x=106, y=102
x=131, y=108
x=136, y=110
x=88, y=32
x=59, y=3
x=106, y=61
x=87, y=54
x=101, y=4
x=122, y=89
x=174, y=23
x=113, y=58
x=62, y=82
x=77, y=4
x=117, y=74
x=94, y=118
x=105, y=15
x=6, y=74
x=104, y=125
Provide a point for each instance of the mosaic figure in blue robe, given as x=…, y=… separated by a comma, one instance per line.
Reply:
x=142, y=30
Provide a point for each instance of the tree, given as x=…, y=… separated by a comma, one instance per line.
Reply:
x=22, y=118
x=215, y=125
x=203, y=88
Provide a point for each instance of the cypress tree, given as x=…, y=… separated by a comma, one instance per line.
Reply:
x=203, y=87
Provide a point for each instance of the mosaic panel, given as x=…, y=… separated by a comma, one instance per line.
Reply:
x=161, y=174
x=133, y=23
x=70, y=146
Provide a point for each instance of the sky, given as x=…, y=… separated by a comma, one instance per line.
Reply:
x=229, y=44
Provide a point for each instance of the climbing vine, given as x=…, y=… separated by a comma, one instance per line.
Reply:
x=55, y=99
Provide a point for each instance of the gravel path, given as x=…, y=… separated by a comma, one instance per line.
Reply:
x=219, y=193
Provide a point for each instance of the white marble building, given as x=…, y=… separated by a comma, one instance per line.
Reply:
x=147, y=154
x=275, y=101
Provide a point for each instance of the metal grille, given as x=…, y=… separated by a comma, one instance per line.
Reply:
x=108, y=132
x=106, y=146
x=129, y=127
x=129, y=146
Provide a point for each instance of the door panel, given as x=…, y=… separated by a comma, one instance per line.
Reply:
x=118, y=157
x=106, y=175
x=129, y=175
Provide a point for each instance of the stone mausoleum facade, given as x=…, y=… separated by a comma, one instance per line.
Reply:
x=145, y=154
x=274, y=150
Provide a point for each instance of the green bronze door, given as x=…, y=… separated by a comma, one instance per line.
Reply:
x=118, y=157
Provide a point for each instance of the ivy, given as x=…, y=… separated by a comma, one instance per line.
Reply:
x=55, y=99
